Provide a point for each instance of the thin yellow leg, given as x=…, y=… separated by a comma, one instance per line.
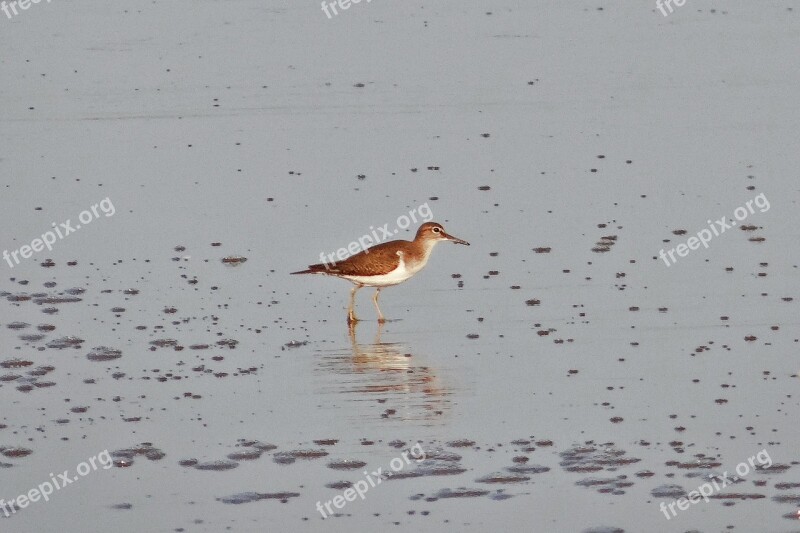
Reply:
x=351, y=312
x=381, y=320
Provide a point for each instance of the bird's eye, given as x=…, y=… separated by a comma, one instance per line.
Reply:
x=436, y=230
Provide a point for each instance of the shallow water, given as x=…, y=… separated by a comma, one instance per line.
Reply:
x=556, y=375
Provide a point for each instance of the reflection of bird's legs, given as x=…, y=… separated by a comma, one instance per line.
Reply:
x=351, y=331
x=351, y=313
x=378, y=333
x=381, y=320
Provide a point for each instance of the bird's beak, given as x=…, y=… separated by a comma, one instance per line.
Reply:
x=455, y=239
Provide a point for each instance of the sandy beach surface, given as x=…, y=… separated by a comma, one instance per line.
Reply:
x=617, y=350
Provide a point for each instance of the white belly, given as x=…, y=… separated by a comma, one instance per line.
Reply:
x=396, y=276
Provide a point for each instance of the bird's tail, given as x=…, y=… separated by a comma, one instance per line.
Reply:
x=316, y=269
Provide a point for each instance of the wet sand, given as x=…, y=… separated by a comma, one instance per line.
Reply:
x=557, y=374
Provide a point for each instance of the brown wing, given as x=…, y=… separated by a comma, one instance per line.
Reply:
x=380, y=258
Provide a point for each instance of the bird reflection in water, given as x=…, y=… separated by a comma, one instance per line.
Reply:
x=387, y=376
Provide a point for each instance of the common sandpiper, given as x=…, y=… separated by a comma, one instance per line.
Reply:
x=386, y=264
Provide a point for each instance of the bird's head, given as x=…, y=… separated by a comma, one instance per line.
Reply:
x=433, y=232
